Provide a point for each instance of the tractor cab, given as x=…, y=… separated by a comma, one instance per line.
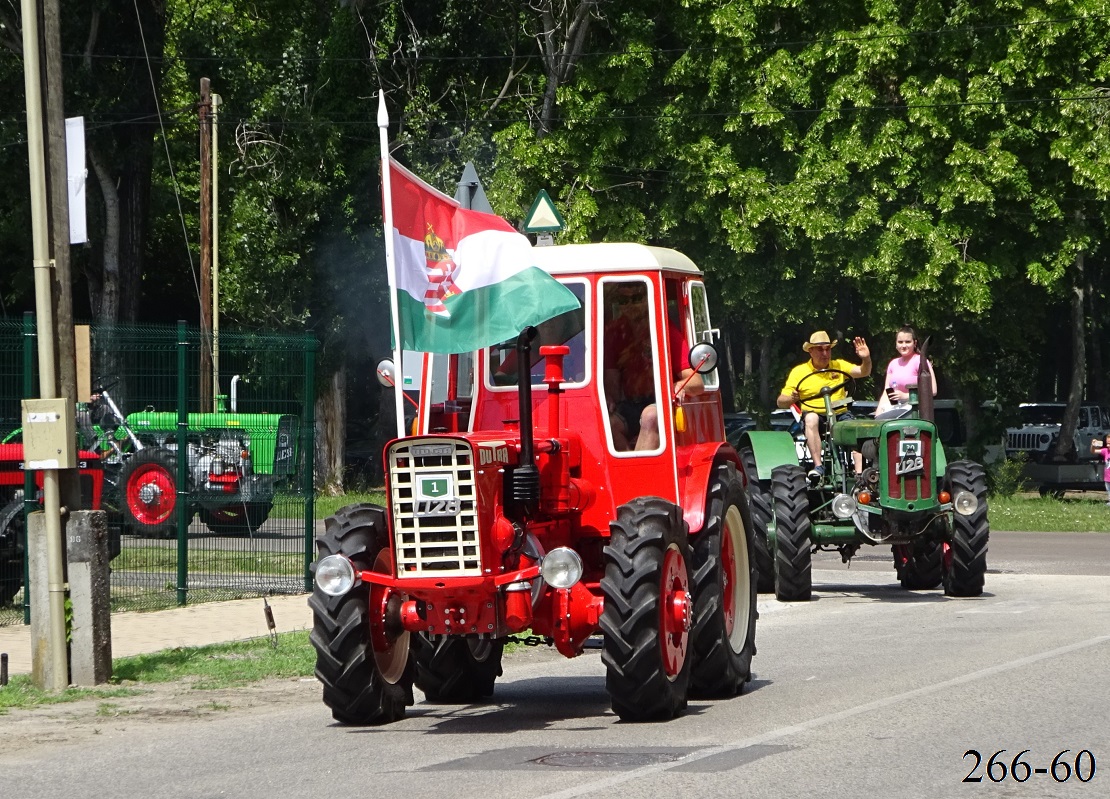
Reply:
x=642, y=311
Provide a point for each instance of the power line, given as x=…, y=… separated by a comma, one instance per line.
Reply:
x=761, y=45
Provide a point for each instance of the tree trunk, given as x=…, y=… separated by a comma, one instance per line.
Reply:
x=331, y=427
x=767, y=399
x=104, y=288
x=1098, y=383
x=1065, y=444
x=561, y=40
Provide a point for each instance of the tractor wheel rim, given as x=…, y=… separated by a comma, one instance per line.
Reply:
x=728, y=577
x=391, y=654
x=674, y=612
x=151, y=495
x=736, y=577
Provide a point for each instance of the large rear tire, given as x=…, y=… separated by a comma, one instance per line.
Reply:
x=965, y=561
x=148, y=484
x=13, y=543
x=366, y=670
x=723, y=636
x=759, y=502
x=454, y=669
x=238, y=519
x=793, y=552
x=647, y=615
x=919, y=565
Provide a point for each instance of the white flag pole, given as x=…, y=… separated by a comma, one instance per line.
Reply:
x=391, y=264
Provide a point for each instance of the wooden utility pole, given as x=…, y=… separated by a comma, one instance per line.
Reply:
x=205, y=110
x=57, y=182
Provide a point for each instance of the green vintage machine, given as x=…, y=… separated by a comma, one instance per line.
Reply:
x=236, y=464
x=933, y=514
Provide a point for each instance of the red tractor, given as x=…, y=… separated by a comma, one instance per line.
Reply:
x=13, y=532
x=620, y=512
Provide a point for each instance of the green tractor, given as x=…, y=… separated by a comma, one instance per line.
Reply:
x=933, y=514
x=236, y=463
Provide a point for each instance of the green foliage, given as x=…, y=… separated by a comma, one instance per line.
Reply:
x=1006, y=477
x=847, y=166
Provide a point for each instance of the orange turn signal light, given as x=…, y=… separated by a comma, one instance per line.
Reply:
x=864, y=497
x=944, y=497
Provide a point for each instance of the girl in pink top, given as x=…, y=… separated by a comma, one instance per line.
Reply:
x=901, y=373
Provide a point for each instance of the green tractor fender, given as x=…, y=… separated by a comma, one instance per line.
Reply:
x=771, y=448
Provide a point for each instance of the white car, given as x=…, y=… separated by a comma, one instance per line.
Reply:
x=1040, y=428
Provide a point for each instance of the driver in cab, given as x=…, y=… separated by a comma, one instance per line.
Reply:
x=812, y=404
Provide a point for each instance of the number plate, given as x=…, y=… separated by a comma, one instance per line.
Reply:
x=910, y=458
x=435, y=495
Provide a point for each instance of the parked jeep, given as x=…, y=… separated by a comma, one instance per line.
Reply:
x=1040, y=428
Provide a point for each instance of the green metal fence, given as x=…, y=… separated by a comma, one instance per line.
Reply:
x=234, y=516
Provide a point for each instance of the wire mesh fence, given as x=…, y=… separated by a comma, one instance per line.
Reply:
x=199, y=450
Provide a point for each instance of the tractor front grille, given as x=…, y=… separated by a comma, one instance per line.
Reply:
x=909, y=457
x=435, y=518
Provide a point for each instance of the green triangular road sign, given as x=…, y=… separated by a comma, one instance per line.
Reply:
x=543, y=217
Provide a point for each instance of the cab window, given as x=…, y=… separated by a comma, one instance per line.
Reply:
x=703, y=331
x=567, y=328
x=450, y=392
x=630, y=363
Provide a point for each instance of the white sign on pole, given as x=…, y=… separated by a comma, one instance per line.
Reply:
x=76, y=173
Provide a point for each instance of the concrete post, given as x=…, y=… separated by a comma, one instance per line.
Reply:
x=90, y=649
x=44, y=666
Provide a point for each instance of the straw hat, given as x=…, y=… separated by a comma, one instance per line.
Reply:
x=818, y=339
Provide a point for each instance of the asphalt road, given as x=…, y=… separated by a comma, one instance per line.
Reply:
x=866, y=691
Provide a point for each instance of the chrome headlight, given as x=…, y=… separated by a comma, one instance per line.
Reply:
x=966, y=503
x=561, y=567
x=843, y=506
x=335, y=575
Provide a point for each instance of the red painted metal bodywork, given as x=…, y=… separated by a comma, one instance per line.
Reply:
x=583, y=482
x=89, y=464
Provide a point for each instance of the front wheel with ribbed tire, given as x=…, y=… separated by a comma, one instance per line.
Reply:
x=648, y=608
x=965, y=559
x=759, y=501
x=456, y=669
x=919, y=565
x=724, y=596
x=793, y=550
x=362, y=658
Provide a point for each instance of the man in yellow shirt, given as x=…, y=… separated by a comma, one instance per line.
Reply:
x=812, y=405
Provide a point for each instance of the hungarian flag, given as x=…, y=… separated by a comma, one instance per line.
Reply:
x=464, y=279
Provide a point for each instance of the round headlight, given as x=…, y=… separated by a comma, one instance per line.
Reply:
x=843, y=506
x=561, y=567
x=335, y=575
x=966, y=503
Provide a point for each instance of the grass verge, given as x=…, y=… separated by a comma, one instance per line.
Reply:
x=1073, y=514
x=208, y=668
x=326, y=506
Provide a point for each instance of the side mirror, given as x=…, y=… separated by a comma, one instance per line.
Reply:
x=704, y=357
x=386, y=372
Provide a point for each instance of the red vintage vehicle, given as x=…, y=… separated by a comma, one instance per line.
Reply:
x=13, y=535
x=530, y=501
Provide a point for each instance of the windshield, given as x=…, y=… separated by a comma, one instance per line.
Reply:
x=1041, y=414
x=566, y=328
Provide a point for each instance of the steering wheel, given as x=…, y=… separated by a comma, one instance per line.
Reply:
x=825, y=390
